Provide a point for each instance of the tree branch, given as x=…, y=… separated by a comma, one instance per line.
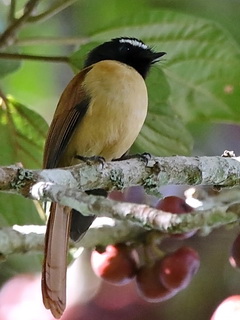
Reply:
x=18, y=56
x=19, y=239
x=55, y=9
x=22, y=239
x=158, y=171
x=146, y=216
x=8, y=36
x=12, y=9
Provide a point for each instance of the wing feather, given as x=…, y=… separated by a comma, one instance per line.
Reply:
x=69, y=112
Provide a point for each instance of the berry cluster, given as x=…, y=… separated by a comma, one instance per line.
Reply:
x=158, y=275
x=157, y=280
x=167, y=276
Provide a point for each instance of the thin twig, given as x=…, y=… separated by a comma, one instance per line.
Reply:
x=17, y=56
x=55, y=9
x=12, y=9
x=8, y=36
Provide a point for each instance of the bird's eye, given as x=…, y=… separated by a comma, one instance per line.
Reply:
x=124, y=48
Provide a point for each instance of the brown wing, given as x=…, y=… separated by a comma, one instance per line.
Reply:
x=70, y=110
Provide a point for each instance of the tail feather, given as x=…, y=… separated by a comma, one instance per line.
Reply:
x=55, y=260
x=62, y=222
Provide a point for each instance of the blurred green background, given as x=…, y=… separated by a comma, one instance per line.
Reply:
x=38, y=86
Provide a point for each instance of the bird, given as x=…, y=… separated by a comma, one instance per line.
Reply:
x=99, y=114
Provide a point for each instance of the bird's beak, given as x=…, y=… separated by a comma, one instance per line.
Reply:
x=156, y=56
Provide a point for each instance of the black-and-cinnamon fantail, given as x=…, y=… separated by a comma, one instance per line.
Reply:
x=100, y=113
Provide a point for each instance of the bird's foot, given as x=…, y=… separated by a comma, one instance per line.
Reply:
x=91, y=160
x=145, y=157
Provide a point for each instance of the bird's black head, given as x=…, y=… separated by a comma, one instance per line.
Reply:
x=130, y=51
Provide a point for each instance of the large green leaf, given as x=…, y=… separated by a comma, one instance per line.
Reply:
x=22, y=133
x=164, y=132
x=202, y=63
x=163, y=136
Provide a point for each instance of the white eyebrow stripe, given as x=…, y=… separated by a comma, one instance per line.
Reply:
x=134, y=43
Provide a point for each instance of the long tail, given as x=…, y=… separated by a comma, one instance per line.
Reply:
x=55, y=259
x=62, y=222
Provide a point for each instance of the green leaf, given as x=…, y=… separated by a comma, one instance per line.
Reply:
x=202, y=63
x=163, y=136
x=23, y=133
x=163, y=133
x=15, y=209
x=8, y=66
x=77, y=58
x=20, y=263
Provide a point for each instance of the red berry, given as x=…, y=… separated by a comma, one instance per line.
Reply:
x=173, y=204
x=149, y=285
x=176, y=205
x=235, y=253
x=178, y=268
x=115, y=265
